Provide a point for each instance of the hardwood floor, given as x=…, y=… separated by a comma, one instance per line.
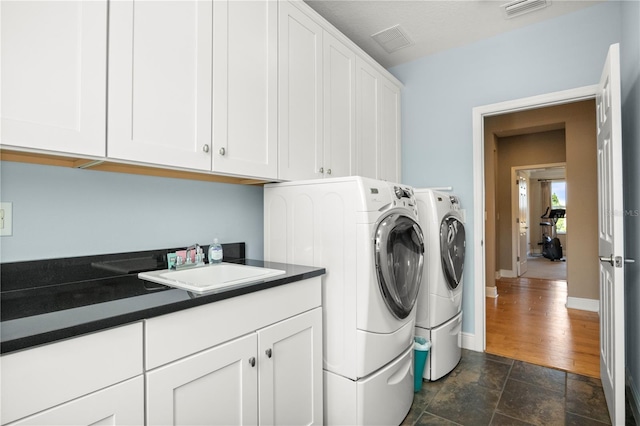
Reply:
x=529, y=322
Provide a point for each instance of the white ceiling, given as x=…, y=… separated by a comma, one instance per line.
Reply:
x=434, y=25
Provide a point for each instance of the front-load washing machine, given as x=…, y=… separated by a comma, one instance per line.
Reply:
x=439, y=305
x=365, y=233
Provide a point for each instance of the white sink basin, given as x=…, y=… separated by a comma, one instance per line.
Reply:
x=206, y=278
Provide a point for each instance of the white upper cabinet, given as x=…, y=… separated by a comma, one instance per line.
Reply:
x=160, y=59
x=193, y=84
x=300, y=100
x=378, y=125
x=367, y=119
x=338, y=114
x=254, y=88
x=245, y=78
x=389, y=141
x=339, y=64
x=54, y=57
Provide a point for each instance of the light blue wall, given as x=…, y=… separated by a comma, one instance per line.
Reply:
x=630, y=59
x=567, y=52
x=442, y=89
x=62, y=212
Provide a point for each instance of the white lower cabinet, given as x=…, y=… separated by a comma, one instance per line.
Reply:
x=250, y=359
x=218, y=386
x=290, y=371
x=119, y=404
x=271, y=376
x=91, y=379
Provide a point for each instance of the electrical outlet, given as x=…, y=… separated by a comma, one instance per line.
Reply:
x=6, y=219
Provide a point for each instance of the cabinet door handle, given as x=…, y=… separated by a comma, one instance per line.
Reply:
x=328, y=171
x=222, y=151
x=321, y=170
x=205, y=148
x=252, y=361
x=268, y=352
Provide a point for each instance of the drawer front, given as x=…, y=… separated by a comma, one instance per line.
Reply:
x=179, y=334
x=117, y=405
x=43, y=377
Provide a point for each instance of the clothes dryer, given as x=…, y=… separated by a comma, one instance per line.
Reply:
x=365, y=233
x=439, y=305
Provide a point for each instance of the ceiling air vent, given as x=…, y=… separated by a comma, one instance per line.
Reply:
x=520, y=7
x=392, y=39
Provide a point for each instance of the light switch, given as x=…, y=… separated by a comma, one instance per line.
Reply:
x=6, y=219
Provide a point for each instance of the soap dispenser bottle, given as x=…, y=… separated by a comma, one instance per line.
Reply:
x=215, y=252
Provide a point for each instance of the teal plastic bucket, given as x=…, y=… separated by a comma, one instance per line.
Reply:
x=421, y=348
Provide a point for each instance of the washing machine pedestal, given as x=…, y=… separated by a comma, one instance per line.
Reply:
x=446, y=347
x=382, y=398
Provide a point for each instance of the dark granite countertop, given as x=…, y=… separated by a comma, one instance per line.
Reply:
x=46, y=301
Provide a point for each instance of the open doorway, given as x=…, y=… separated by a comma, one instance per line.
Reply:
x=539, y=221
x=547, y=250
x=534, y=318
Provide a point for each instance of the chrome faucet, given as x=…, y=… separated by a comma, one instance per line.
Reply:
x=177, y=262
x=188, y=252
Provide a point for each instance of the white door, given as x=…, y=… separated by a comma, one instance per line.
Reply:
x=160, y=58
x=611, y=236
x=339, y=64
x=523, y=224
x=54, y=59
x=290, y=368
x=218, y=386
x=300, y=95
x=245, y=78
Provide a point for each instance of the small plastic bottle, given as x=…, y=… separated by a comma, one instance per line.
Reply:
x=215, y=252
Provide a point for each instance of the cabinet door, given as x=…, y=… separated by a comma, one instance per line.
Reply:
x=389, y=167
x=160, y=59
x=339, y=64
x=378, y=124
x=214, y=387
x=290, y=359
x=245, y=78
x=54, y=57
x=367, y=122
x=300, y=95
x=121, y=404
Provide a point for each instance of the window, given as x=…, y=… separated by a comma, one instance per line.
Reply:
x=559, y=201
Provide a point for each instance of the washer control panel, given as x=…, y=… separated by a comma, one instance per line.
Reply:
x=405, y=198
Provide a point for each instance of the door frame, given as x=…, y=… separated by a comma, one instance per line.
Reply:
x=478, y=341
x=515, y=208
x=516, y=173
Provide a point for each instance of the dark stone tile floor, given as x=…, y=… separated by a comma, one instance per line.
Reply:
x=486, y=389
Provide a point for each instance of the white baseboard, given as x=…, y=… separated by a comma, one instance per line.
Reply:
x=507, y=273
x=591, y=305
x=491, y=292
x=470, y=342
x=634, y=397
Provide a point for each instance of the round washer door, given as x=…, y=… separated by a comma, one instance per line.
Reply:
x=452, y=248
x=399, y=252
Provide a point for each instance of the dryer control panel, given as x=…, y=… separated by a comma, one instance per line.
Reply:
x=405, y=198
